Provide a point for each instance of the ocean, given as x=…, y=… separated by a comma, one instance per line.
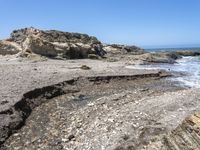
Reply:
x=188, y=68
x=172, y=49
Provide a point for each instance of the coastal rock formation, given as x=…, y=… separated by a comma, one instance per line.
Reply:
x=64, y=45
x=52, y=43
x=187, y=53
x=58, y=44
x=159, y=58
x=184, y=137
x=165, y=57
x=123, y=49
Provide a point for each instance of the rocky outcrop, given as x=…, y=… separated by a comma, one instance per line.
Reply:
x=65, y=45
x=52, y=43
x=166, y=57
x=19, y=36
x=187, y=53
x=9, y=48
x=123, y=49
x=184, y=137
x=159, y=58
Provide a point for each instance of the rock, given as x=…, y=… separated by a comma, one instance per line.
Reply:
x=184, y=137
x=71, y=137
x=157, y=58
x=9, y=48
x=93, y=56
x=85, y=67
x=39, y=46
x=65, y=45
x=164, y=73
x=123, y=49
x=51, y=43
x=166, y=57
x=187, y=53
x=4, y=102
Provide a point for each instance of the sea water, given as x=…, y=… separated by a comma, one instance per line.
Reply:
x=173, y=49
x=187, y=70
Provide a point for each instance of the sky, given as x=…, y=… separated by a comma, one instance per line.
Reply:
x=145, y=23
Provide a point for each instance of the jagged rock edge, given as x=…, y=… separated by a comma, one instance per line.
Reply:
x=38, y=96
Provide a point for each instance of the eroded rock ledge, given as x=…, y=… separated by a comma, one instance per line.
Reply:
x=14, y=118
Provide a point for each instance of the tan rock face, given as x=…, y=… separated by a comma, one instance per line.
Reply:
x=9, y=48
x=38, y=46
x=52, y=44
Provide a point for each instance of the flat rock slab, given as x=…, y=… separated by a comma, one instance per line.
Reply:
x=93, y=111
x=18, y=78
x=27, y=80
x=119, y=114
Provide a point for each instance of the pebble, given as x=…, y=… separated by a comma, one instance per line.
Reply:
x=90, y=104
x=65, y=140
x=71, y=137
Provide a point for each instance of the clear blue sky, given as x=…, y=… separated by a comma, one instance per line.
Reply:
x=140, y=22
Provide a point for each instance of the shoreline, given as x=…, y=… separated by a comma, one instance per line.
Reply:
x=14, y=83
x=61, y=90
x=107, y=70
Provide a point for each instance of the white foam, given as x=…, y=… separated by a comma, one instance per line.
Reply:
x=140, y=67
x=188, y=65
